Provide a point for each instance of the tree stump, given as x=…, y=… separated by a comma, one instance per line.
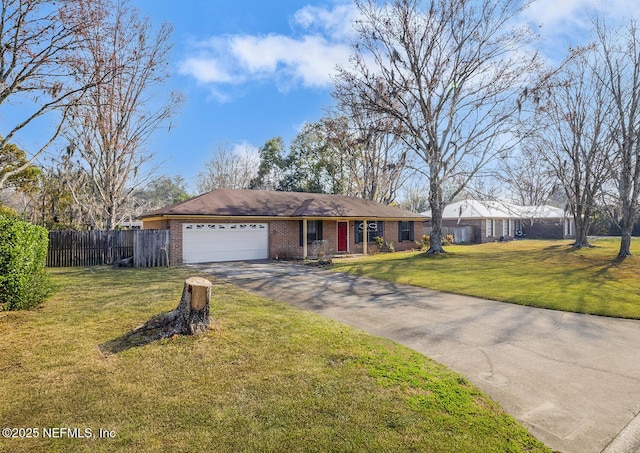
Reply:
x=190, y=317
x=192, y=313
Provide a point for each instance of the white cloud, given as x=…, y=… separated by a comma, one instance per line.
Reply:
x=208, y=70
x=556, y=13
x=248, y=152
x=561, y=23
x=337, y=23
x=307, y=59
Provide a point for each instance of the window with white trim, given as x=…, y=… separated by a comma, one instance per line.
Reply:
x=568, y=227
x=490, y=227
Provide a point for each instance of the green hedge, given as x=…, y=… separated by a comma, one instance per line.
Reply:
x=23, y=253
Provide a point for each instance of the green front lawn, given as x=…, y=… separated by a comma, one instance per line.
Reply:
x=548, y=274
x=267, y=378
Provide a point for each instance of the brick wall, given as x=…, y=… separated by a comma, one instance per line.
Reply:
x=175, y=247
x=284, y=237
x=480, y=225
x=543, y=229
x=539, y=229
x=330, y=234
x=391, y=235
x=390, y=232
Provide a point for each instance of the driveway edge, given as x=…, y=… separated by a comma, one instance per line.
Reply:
x=627, y=440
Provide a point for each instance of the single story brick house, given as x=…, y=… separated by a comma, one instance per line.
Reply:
x=499, y=220
x=239, y=224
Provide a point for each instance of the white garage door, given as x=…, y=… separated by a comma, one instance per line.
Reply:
x=207, y=242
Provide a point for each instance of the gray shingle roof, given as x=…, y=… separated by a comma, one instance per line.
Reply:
x=263, y=203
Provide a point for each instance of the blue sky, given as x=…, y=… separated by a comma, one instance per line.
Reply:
x=254, y=69
x=250, y=71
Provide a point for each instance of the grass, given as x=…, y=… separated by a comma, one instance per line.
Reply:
x=547, y=274
x=266, y=378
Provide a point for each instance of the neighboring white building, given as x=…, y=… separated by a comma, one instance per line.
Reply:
x=498, y=220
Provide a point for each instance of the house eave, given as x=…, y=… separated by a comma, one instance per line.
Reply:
x=272, y=218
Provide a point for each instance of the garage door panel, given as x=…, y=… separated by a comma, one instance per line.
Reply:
x=203, y=243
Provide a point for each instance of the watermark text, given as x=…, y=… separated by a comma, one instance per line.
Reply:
x=58, y=432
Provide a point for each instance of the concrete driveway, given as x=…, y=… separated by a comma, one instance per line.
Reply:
x=573, y=380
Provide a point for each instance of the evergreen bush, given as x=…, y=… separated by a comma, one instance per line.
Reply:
x=24, y=282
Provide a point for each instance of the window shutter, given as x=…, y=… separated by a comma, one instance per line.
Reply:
x=319, y=230
x=381, y=228
x=400, y=231
x=358, y=236
x=411, y=235
x=301, y=233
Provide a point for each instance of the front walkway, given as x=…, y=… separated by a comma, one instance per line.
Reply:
x=573, y=380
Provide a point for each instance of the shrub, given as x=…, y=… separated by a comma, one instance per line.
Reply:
x=425, y=242
x=382, y=245
x=23, y=252
x=7, y=211
x=390, y=246
x=320, y=249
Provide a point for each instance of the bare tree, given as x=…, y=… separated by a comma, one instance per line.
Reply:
x=452, y=73
x=376, y=158
x=575, y=138
x=38, y=41
x=619, y=50
x=414, y=196
x=161, y=191
x=109, y=128
x=228, y=168
x=528, y=176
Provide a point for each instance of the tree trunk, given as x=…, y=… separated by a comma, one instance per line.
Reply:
x=626, y=226
x=435, y=239
x=582, y=238
x=583, y=223
x=192, y=313
x=436, y=205
x=625, y=242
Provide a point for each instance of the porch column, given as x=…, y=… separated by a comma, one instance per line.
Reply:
x=365, y=236
x=304, y=239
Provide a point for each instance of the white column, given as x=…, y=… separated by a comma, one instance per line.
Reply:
x=365, y=236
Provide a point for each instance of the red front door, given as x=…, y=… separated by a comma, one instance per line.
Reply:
x=343, y=243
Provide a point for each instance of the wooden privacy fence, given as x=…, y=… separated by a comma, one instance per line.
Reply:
x=150, y=248
x=146, y=248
